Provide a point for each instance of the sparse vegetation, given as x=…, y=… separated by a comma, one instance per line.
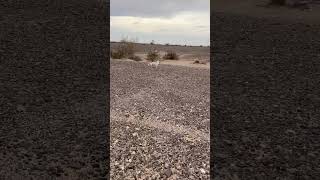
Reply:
x=116, y=54
x=125, y=49
x=199, y=62
x=135, y=58
x=153, y=55
x=171, y=55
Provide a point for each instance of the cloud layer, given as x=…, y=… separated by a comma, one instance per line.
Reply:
x=156, y=8
x=174, y=22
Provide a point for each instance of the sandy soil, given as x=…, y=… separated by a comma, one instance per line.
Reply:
x=185, y=63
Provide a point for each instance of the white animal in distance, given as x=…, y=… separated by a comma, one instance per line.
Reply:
x=155, y=64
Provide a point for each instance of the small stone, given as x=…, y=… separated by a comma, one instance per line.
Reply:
x=135, y=134
x=173, y=170
x=290, y=131
x=21, y=108
x=166, y=165
x=202, y=171
x=173, y=177
x=168, y=172
x=191, y=170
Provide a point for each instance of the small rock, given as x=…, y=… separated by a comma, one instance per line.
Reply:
x=191, y=171
x=135, y=134
x=173, y=177
x=168, y=172
x=290, y=131
x=166, y=165
x=21, y=108
x=202, y=171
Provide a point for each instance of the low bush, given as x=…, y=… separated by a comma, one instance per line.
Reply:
x=135, y=58
x=200, y=62
x=171, y=55
x=125, y=49
x=153, y=55
x=116, y=54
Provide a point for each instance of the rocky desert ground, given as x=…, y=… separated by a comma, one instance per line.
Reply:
x=159, y=121
x=265, y=93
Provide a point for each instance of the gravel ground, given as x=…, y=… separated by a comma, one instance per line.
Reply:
x=265, y=98
x=53, y=120
x=159, y=121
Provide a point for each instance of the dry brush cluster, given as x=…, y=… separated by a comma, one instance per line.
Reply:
x=125, y=49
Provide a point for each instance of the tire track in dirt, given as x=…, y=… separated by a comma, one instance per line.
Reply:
x=189, y=133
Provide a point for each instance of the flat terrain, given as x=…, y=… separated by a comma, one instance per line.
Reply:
x=159, y=121
x=187, y=54
x=144, y=48
x=265, y=95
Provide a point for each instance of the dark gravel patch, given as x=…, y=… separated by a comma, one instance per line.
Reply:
x=53, y=89
x=265, y=98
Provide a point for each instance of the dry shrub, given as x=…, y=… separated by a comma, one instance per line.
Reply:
x=153, y=55
x=116, y=54
x=125, y=49
x=135, y=58
x=200, y=61
x=171, y=55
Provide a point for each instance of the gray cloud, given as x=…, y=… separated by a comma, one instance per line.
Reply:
x=156, y=8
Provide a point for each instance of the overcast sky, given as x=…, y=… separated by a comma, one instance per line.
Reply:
x=164, y=21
